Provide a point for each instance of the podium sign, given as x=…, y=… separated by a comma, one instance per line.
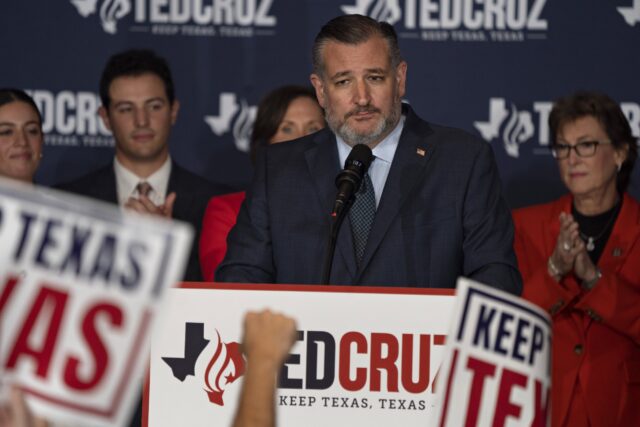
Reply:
x=364, y=356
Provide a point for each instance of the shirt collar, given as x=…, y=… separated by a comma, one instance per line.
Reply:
x=384, y=151
x=127, y=181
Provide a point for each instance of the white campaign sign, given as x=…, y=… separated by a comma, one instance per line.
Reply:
x=364, y=356
x=496, y=371
x=80, y=282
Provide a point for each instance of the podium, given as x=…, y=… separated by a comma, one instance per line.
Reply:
x=364, y=355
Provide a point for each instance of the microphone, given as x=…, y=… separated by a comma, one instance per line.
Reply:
x=349, y=179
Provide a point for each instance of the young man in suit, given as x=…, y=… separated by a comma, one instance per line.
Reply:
x=438, y=211
x=139, y=108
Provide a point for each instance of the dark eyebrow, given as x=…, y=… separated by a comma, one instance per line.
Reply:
x=127, y=103
x=340, y=74
x=121, y=103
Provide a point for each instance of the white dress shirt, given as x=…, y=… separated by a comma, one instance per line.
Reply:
x=383, y=154
x=127, y=182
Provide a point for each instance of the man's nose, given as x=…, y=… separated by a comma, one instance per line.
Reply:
x=362, y=93
x=141, y=117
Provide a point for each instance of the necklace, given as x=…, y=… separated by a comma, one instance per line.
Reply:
x=590, y=240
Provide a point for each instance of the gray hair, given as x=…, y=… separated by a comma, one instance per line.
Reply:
x=354, y=29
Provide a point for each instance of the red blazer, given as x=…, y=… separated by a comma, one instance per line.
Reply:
x=219, y=218
x=596, y=334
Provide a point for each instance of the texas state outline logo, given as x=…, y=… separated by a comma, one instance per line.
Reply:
x=224, y=367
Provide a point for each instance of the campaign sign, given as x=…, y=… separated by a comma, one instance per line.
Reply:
x=80, y=282
x=364, y=356
x=496, y=371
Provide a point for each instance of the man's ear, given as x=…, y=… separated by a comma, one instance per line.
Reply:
x=318, y=85
x=104, y=115
x=401, y=78
x=175, y=107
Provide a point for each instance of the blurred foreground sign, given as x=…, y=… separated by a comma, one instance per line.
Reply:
x=80, y=282
x=496, y=368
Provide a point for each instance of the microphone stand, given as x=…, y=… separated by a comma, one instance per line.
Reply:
x=336, y=221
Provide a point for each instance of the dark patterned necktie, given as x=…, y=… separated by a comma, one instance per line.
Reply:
x=144, y=188
x=361, y=215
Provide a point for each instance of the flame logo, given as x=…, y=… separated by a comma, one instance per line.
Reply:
x=518, y=129
x=380, y=10
x=230, y=365
x=243, y=126
x=110, y=11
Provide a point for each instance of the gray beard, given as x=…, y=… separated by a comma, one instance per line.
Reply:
x=353, y=138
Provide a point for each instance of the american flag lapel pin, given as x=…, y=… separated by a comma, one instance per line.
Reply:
x=421, y=152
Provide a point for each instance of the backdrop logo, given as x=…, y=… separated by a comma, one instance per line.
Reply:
x=459, y=20
x=380, y=10
x=514, y=126
x=110, y=11
x=225, y=366
x=631, y=14
x=517, y=126
x=71, y=118
x=204, y=18
x=234, y=117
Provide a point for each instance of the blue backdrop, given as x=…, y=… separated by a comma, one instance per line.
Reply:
x=491, y=67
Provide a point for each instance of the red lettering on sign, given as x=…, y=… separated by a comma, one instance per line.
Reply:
x=7, y=290
x=47, y=301
x=481, y=370
x=504, y=407
x=100, y=354
x=345, y=361
x=380, y=363
x=424, y=360
x=540, y=409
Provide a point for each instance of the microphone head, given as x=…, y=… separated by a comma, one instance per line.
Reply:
x=355, y=168
x=349, y=179
x=361, y=157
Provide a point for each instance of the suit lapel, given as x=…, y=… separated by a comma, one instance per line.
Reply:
x=106, y=187
x=323, y=163
x=409, y=164
x=175, y=181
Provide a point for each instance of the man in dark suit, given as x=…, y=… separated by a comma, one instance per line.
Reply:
x=438, y=211
x=139, y=107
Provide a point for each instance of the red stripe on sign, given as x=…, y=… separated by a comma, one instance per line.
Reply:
x=317, y=288
x=7, y=291
x=445, y=406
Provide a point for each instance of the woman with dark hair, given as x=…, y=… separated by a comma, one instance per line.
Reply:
x=20, y=135
x=579, y=257
x=287, y=113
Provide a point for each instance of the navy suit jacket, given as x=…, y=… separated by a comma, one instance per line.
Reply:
x=193, y=193
x=441, y=215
